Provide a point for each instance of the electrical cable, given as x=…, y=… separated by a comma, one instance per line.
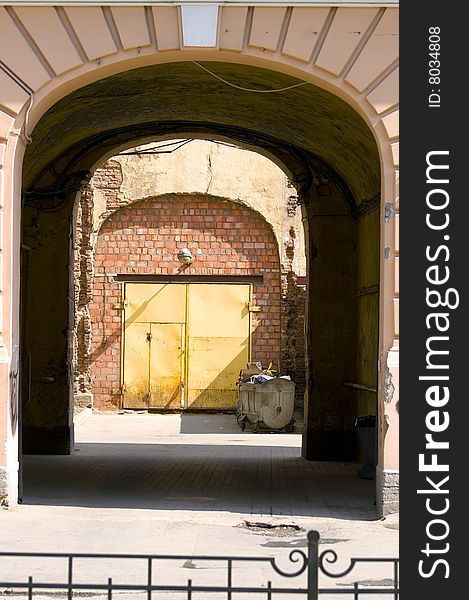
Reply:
x=104, y=139
x=155, y=149
x=52, y=190
x=243, y=89
x=25, y=87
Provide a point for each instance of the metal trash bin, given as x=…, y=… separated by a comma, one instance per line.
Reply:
x=269, y=405
x=366, y=427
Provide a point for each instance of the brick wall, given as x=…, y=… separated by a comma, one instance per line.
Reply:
x=144, y=238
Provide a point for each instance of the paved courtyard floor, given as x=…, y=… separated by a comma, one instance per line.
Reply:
x=190, y=484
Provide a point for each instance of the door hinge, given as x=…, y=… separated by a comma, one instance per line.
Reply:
x=122, y=305
x=149, y=336
x=118, y=391
x=252, y=307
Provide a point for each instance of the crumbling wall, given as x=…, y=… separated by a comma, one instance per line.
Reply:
x=293, y=294
x=95, y=203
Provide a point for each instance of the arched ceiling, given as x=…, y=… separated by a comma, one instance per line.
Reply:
x=306, y=124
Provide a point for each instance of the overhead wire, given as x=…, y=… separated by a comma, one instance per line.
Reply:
x=25, y=87
x=244, y=89
x=156, y=149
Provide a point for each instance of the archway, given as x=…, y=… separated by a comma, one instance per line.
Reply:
x=231, y=188
x=299, y=156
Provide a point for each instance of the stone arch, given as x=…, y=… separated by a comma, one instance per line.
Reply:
x=38, y=72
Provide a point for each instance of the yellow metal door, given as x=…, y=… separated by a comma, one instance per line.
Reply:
x=184, y=345
x=137, y=366
x=153, y=345
x=166, y=365
x=218, y=343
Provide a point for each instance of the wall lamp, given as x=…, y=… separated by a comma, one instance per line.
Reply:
x=185, y=256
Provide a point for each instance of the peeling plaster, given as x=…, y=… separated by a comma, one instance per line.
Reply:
x=388, y=212
x=388, y=386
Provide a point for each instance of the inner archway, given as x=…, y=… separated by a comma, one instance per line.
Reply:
x=237, y=213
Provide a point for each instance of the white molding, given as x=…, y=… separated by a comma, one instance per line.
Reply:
x=270, y=3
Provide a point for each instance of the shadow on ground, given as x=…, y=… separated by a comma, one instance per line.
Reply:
x=263, y=480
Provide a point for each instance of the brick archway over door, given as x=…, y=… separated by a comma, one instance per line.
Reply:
x=144, y=238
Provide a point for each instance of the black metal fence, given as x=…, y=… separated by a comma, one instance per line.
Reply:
x=310, y=571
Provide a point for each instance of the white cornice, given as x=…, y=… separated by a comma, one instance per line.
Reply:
x=270, y=3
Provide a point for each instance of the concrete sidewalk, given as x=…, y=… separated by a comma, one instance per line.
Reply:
x=189, y=484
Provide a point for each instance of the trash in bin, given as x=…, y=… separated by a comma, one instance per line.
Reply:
x=254, y=373
x=366, y=427
x=266, y=401
x=252, y=368
x=260, y=378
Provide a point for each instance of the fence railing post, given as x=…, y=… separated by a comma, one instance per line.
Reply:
x=70, y=578
x=149, y=577
x=30, y=588
x=313, y=545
